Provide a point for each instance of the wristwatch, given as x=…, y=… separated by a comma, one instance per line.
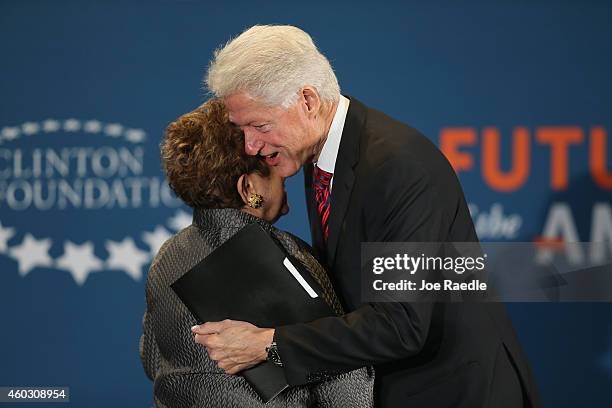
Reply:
x=273, y=355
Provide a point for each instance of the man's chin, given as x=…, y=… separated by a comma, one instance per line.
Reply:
x=288, y=169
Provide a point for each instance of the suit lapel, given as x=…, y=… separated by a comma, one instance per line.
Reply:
x=344, y=177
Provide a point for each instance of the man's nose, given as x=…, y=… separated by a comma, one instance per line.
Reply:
x=252, y=145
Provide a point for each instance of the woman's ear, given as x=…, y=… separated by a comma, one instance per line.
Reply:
x=244, y=188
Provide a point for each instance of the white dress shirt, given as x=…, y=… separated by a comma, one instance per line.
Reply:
x=329, y=152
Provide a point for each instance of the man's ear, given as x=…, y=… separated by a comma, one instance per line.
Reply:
x=244, y=188
x=312, y=100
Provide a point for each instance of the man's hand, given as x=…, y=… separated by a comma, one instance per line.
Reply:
x=234, y=345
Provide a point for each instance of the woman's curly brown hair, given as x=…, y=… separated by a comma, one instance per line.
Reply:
x=203, y=157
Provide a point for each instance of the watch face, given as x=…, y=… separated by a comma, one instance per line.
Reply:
x=273, y=355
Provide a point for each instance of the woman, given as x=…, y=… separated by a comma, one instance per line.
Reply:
x=205, y=163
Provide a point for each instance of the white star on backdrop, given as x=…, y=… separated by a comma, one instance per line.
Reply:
x=135, y=135
x=72, y=125
x=92, y=126
x=51, y=125
x=5, y=235
x=113, y=129
x=156, y=238
x=180, y=220
x=30, y=128
x=79, y=260
x=127, y=256
x=31, y=253
x=10, y=133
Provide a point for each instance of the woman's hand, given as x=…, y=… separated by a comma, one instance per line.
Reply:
x=234, y=345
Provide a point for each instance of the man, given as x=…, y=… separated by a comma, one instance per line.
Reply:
x=368, y=178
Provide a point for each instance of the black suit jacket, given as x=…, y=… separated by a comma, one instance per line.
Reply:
x=392, y=184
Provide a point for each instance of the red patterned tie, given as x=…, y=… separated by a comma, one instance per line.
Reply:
x=321, y=180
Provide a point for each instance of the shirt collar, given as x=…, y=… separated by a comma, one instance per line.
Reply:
x=224, y=218
x=329, y=152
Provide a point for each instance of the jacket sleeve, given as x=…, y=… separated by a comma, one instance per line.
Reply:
x=149, y=351
x=405, y=206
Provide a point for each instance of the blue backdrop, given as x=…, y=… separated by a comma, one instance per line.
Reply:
x=88, y=87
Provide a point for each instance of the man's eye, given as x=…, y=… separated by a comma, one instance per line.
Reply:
x=262, y=127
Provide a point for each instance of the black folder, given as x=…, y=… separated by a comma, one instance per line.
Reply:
x=251, y=278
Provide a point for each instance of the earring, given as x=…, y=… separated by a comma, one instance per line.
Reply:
x=255, y=200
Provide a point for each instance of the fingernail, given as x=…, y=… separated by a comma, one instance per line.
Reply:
x=193, y=328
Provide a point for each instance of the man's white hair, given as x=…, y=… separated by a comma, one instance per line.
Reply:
x=272, y=63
